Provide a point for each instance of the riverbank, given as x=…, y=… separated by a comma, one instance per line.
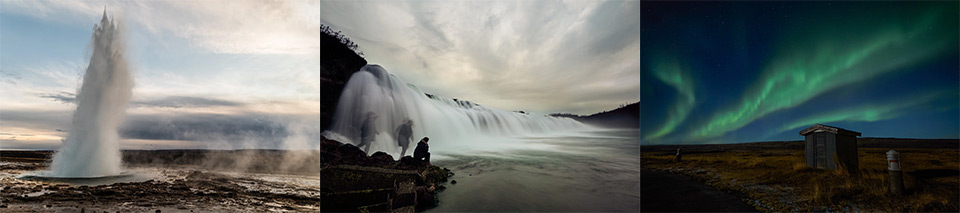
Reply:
x=353, y=181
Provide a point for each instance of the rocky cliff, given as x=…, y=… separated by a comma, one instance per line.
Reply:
x=337, y=63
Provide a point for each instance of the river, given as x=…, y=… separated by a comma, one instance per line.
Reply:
x=590, y=171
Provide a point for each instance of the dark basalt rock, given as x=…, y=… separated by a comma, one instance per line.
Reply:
x=350, y=154
x=380, y=159
x=337, y=63
x=407, y=162
x=354, y=182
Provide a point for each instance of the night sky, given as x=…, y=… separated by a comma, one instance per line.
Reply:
x=729, y=72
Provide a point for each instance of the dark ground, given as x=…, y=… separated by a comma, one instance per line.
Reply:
x=772, y=176
x=665, y=192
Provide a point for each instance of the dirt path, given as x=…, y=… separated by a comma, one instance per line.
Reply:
x=664, y=192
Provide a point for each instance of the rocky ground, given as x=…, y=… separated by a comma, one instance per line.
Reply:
x=354, y=181
x=229, y=181
x=177, y=188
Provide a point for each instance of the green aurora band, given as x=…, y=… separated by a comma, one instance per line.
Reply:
x=844, y=51
x=673, y=73
x=867, y=112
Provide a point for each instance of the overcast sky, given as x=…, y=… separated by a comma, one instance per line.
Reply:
x=223, y=71
x=546, y=56
x=206, y=71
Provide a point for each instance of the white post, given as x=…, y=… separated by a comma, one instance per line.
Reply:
x=896, y=173
x=678, y=154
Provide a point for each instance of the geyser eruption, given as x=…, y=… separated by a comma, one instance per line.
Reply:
x=373, y=92
x=92, y=148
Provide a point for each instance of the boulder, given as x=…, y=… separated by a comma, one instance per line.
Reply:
x=329, y=145
x=407, y=162
x=350, y=154
x=380, y=159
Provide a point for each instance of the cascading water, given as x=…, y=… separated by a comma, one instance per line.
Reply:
x=92, y=148
x=373, y=91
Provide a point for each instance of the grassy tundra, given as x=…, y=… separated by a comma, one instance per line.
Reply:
x=773, y=176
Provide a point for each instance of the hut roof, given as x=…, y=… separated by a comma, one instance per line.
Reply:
x=830, y=129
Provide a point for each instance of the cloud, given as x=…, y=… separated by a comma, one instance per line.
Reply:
x=9, y=77
x=205, y=127
x=198, y=130
x=64, y=97
x=165, y=102
x=185, y=101
x=35, y=119
x=541, y=56
x=220, y=26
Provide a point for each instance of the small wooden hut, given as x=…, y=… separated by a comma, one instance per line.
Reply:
x=828, y=146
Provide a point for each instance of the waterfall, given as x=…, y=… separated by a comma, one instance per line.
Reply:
x=373, y=91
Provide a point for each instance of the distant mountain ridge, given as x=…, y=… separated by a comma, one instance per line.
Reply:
x=627, y=116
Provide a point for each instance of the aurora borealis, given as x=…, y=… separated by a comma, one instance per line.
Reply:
x=727, y=72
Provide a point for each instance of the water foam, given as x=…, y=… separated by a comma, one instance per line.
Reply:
x=450, y=123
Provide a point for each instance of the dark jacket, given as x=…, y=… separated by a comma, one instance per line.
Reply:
x=404, y=133
x=422, y=150
x=368, y=130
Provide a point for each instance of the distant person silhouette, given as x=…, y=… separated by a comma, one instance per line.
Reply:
x=422, y=152
x=404, y=134
x=368, y=131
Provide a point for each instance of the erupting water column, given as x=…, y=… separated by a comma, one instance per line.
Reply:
x=92, y=148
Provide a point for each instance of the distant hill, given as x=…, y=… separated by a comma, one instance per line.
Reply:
x=624, y=117
x=339, y=59
x=866, y=142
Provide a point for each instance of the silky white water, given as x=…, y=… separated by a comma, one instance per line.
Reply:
x=598, y=171
x=92, y=149
x=451, y=124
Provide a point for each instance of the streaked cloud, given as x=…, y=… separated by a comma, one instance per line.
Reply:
x=244, y=61
x=220, y=26
x=541, y=56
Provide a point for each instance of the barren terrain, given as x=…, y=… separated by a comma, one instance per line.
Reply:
x=182, y=187
x=772, y=176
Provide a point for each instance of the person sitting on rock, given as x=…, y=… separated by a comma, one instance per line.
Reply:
x=422, y=152
x=404, y=134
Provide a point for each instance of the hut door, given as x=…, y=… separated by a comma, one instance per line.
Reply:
x=821, y=152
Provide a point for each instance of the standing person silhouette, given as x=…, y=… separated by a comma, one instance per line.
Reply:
x=368, y=131
x=404, y=134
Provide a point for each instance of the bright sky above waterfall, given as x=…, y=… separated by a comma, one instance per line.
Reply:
x=542, y=56
x=235, y=72
x=722, y=72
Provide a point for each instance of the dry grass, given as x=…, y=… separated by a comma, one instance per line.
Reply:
x=779, y=180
